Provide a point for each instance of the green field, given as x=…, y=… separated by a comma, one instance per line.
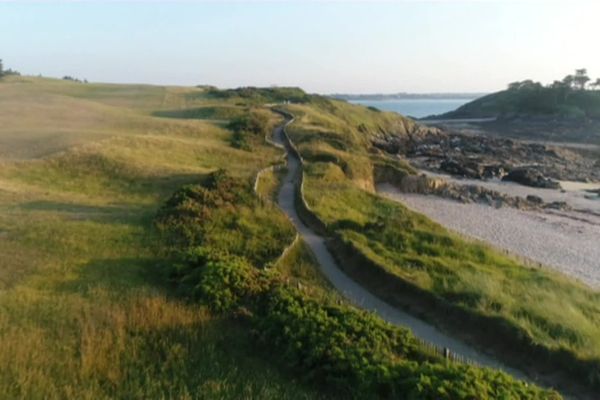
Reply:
x=138, y=263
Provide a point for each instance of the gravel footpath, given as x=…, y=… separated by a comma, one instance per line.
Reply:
x=361, y=297
x=568, y=242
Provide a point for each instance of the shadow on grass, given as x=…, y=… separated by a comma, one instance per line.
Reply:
x=160, y=186
x=121, y=275
x=44, y=205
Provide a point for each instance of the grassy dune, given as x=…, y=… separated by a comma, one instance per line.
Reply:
x=480, y=293
x=85, y=309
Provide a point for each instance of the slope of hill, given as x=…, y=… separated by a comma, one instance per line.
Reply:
x=86, y=310
x=139, y=263
x=563, y=112
x=529, y=99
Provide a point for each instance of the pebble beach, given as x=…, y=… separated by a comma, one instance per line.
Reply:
x=566, y=241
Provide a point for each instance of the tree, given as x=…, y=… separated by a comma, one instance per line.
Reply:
x=1, y=69
x=568, y=81
x=596, y=84
x=514, y=85
x=581, y=78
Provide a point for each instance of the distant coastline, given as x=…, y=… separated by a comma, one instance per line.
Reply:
x=405, y=96
x=414, y=106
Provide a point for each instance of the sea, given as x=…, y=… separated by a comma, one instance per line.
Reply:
x=416, y=108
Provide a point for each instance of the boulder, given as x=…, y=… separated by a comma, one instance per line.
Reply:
x=558, y=205
x=531, y=177
x=493, y=171
x=467, y=169
x=421, y=184
x=535, y=199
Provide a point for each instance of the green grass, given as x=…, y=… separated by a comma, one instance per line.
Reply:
x=268, y=184
x=543, y=311
x=85, y=309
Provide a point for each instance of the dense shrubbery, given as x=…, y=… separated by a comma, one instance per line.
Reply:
x=223, y=214
x=263, y=95
x=340, y=348
x=336, y=344
x=251, y=124
x=184, y=217
x=222, y=282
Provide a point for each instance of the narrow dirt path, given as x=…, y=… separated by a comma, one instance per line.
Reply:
x=356, y=293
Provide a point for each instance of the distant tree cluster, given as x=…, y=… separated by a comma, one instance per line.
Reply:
x=575, y=96
x=70, y=78
x=5, y=72
x=578, y=81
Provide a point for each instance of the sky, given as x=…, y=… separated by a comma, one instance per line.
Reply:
x=323, y=47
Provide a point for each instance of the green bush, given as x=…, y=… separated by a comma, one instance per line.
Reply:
x=184, y=217
x=249, y=127
x=223, y=214
x=263, y=95
x=254, y=122
x=238, y=140
x=364, y=357
x=222, y=282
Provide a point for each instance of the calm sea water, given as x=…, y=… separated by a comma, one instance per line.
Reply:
x=417, y=108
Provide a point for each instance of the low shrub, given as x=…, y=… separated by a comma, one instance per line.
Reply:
x=223, y=282
x=254, y=122
x=183, y=218
x=364, y=357
x=238, y=141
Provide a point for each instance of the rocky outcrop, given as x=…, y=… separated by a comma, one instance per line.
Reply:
x=471, y=169
x=423, y=184
x=483, y=157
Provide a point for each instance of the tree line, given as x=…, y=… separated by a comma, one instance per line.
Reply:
x=580, y=80
x=5, y=72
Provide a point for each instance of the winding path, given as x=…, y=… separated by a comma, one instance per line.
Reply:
x=356, y=293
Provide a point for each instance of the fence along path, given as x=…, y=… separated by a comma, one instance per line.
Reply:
x=432, y=339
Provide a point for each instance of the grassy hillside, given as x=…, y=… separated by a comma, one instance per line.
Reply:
x=469, y=288
x=85, y=309
x=529, y=99
x=138, y=263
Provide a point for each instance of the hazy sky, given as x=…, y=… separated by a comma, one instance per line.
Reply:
x=414, y=46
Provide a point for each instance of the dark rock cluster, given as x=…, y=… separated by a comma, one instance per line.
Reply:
x=424, y=184
x=482, y=157
x=531, y=177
